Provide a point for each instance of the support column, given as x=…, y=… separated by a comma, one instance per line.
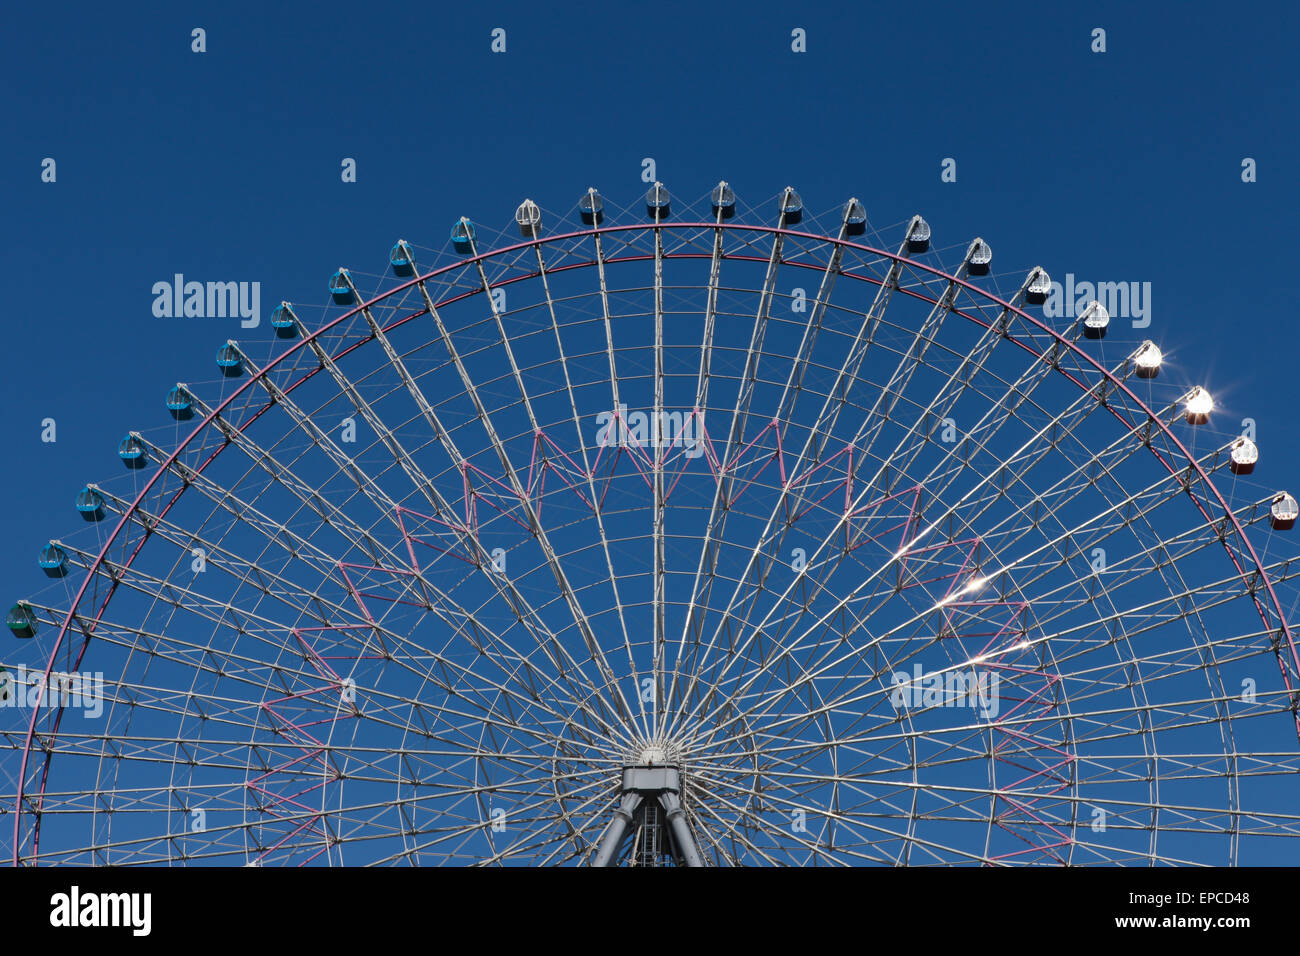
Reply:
x=682, y=835
x=662, y=784
x=617, y=829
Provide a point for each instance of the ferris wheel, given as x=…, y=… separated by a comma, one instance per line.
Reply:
x=707, y=535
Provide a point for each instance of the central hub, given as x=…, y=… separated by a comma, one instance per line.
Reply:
x=650, y=824
x=655, y=752
x=653, y=756
x=651, y=781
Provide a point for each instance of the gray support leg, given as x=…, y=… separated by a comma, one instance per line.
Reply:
x=617, y=829
x=681, y=829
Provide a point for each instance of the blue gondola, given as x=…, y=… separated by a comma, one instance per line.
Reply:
x=53, y=561
x=22, y=620
x=90, y=504
x=723, y=199
x=132, y=451
x=855, y=218
x=462, y=235
x=402, y=259
x=658, y=203
x=341, y=288
x=791, y=206
x=591, y=208
x=180, y=403
x=230, y=361
x=284, y=321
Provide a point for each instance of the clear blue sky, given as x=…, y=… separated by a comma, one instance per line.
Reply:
x=225, y=165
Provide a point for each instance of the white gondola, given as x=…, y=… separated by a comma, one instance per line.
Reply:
x=529, y=219
x=978, y=257
x=1243, y=456
x=1095, y=320
x=1198, y=406
x=1147, y=360
x=918, y=235
x=1284, y=511
x=1037, y=286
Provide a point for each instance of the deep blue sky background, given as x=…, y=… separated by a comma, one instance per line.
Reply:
x=225, y=166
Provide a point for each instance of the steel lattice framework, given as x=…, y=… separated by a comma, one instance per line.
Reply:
x=700, y=540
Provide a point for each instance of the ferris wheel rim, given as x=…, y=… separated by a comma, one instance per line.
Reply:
x=259, y=373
